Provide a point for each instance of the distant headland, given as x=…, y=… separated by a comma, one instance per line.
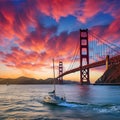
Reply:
x=111, y=76
x=26, y=80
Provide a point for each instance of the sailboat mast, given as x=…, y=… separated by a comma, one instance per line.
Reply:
x=54, y=74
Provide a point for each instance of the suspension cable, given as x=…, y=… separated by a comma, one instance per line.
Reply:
x=107, y=43
x=73, y=58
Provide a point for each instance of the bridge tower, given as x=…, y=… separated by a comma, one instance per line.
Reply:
x=84, y=56
x=60, y=79
x=107, y=62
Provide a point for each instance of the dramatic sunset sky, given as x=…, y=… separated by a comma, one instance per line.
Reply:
x=32, y=32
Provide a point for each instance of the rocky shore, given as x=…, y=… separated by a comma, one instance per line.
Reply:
x=111, y=76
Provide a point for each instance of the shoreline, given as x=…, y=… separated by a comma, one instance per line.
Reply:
x=108, y=84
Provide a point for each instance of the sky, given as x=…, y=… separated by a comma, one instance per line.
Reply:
x=33, y=32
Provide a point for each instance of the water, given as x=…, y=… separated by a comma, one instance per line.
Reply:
x=24, y=102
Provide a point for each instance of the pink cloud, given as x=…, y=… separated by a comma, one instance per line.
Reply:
x=5, y=26
x=113, y=8
x=37, y=39
x=15, y=19
x=90, y=9
x=110, y=32
x=113, y=30
x=58, y=8
x=20, y=59
x=63, y=45
x=42, y=44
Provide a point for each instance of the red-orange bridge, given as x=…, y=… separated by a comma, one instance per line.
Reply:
x=108, y=49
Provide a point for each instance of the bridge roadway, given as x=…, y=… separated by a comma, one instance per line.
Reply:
x=113, y=60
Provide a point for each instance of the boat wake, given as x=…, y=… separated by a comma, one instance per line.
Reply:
x=100, y=108
x=67, y=104
x=107, y=108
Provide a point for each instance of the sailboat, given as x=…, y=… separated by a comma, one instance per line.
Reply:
x=52, y=98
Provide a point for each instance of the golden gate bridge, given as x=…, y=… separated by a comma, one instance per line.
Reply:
x=91, y=51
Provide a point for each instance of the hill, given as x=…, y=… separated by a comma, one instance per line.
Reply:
x=26, y=80
x=111, y=76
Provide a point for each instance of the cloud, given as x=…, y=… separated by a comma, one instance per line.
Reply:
x=82, y=10
x=58, y=8
x=113, y=30
x=37, y=39
x=108, y=32
x=112, y=7
x=63, y=45
x=90, y=9
x=31, y=55
x=29, y=44
x=21, y=59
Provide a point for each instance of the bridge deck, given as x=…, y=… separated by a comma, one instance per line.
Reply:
x=115, y=59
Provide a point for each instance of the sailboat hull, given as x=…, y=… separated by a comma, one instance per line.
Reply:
x=53, y=99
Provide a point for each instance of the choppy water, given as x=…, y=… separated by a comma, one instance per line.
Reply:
x=24, y=102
